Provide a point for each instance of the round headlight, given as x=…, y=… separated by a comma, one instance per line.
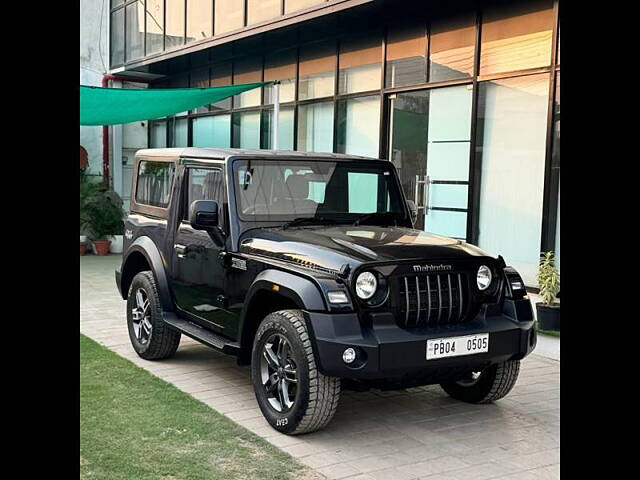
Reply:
x=484, y=277
x=366, y=285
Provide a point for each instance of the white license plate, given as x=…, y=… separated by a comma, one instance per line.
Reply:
x=457, y=346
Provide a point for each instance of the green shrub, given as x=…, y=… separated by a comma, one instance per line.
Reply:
x=548, y=278
x=104, y=216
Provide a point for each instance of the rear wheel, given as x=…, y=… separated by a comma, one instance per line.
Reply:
x=487, y=386
x=150, y=336
x=293, y=395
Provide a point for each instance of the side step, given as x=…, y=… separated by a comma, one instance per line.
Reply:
x=202, y=335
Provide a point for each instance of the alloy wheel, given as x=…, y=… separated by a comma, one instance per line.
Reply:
x=278, y=373
x=141, y=317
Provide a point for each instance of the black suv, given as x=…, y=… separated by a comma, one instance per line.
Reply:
x=307, y=267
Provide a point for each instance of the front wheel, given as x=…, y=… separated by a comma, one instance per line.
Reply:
x=487, y=386
x=292, y=394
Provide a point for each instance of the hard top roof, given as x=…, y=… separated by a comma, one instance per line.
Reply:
x=226, y=153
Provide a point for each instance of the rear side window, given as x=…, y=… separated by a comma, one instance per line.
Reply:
x=155, y=180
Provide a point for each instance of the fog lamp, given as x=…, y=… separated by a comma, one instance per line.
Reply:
x=349, y=355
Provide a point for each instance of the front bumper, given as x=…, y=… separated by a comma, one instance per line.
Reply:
x=388, y=352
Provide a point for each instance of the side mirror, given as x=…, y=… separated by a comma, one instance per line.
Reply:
x=413, y=210
x=203, y=214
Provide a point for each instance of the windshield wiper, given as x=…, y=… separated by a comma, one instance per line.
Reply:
x=376, y=215
x=308, y=221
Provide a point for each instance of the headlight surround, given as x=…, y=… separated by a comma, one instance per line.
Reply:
x=484, y=278
x=366, y=285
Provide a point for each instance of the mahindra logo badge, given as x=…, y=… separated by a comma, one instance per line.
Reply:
x=431, y=268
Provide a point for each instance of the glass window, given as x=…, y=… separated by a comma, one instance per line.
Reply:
x=154, y=183
x=158, y=134
x=294, y=5
x=180, y=132
x=134, y=30
x=511, y=147
x=248, y=70
x=205, y=184
x=555, y=163
x=285, y=132
x=516, y=35
x=221, y=77
x=175, y=23
x=199, y=19
x=280, y=66
x=246, y=130
x=406, y=52
x=155, y=26
x=200, y=79
x=115, y=3
x=315, y=127
x=181, y=81
x=229, y=15
x=261, y=10
x=317, y=70
x=285, y=190
x=359, y=64
x=117, y=37
x=213, y=132
x=453, y=39
x=359, y=126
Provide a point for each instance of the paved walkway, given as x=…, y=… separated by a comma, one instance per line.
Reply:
x=410, y=434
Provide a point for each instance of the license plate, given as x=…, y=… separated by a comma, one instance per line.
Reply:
x=457, y=346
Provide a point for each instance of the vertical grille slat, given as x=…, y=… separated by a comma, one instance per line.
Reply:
x=419, y=297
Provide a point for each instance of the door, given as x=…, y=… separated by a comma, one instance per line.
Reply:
x=429, y=143
x=199, y=273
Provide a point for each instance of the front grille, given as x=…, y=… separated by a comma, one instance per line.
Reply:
x=432, y=299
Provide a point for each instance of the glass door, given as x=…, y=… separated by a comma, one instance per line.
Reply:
x=430, y=139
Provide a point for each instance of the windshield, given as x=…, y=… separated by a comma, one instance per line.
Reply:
x=335, y=192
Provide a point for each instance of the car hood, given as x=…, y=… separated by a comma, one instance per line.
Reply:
x=330, y=247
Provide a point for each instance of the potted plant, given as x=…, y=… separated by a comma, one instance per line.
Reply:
x=89, y=190
x=549, y=280
x=104, y=219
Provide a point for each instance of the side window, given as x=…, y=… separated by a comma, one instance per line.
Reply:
x=155, y=180
x=204, y=184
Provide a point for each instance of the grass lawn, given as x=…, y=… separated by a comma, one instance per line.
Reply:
x=135, y=426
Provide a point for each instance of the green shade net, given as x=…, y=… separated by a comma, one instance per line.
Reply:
x=112, y=106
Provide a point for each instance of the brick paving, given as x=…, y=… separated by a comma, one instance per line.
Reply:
x=410, y=434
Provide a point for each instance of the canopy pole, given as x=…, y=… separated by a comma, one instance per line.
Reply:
x=276, y=114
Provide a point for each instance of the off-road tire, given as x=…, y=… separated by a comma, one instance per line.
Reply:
x=163, y=340
x=317, y=395
x=494, y=383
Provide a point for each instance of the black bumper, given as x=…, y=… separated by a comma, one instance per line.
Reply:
x=388, y=352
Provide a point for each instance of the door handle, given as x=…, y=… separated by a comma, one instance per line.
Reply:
x=181, y=250
x=425, y=194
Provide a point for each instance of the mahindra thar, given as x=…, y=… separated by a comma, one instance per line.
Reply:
x=306, y=266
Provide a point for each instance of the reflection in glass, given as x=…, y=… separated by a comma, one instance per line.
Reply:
x=516, y=36
x=175, y=23
x=406, y=51
x=246, y=130
x=221, y=77
x=359, y=64
x=248, y=70
x=200, y=79
x=199, y=18
x=453, y=38
x=280, y=66
x=229, y=15
x=285, y=130
x=180, y=132
x=317, y=70
x=359, y=126
x=158, y=134
x=155, y=26
x=213, y=132
x=117, y=37
x=261, y=10
x=134, y=30
x=315, y=127
x=511, y=150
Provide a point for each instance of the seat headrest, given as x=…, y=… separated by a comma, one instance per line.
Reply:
x=297, y=187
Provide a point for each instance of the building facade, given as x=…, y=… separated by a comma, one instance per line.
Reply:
x=463, y=97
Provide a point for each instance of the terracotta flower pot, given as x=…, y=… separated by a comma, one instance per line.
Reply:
x=102, y=247
x=83, y=249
